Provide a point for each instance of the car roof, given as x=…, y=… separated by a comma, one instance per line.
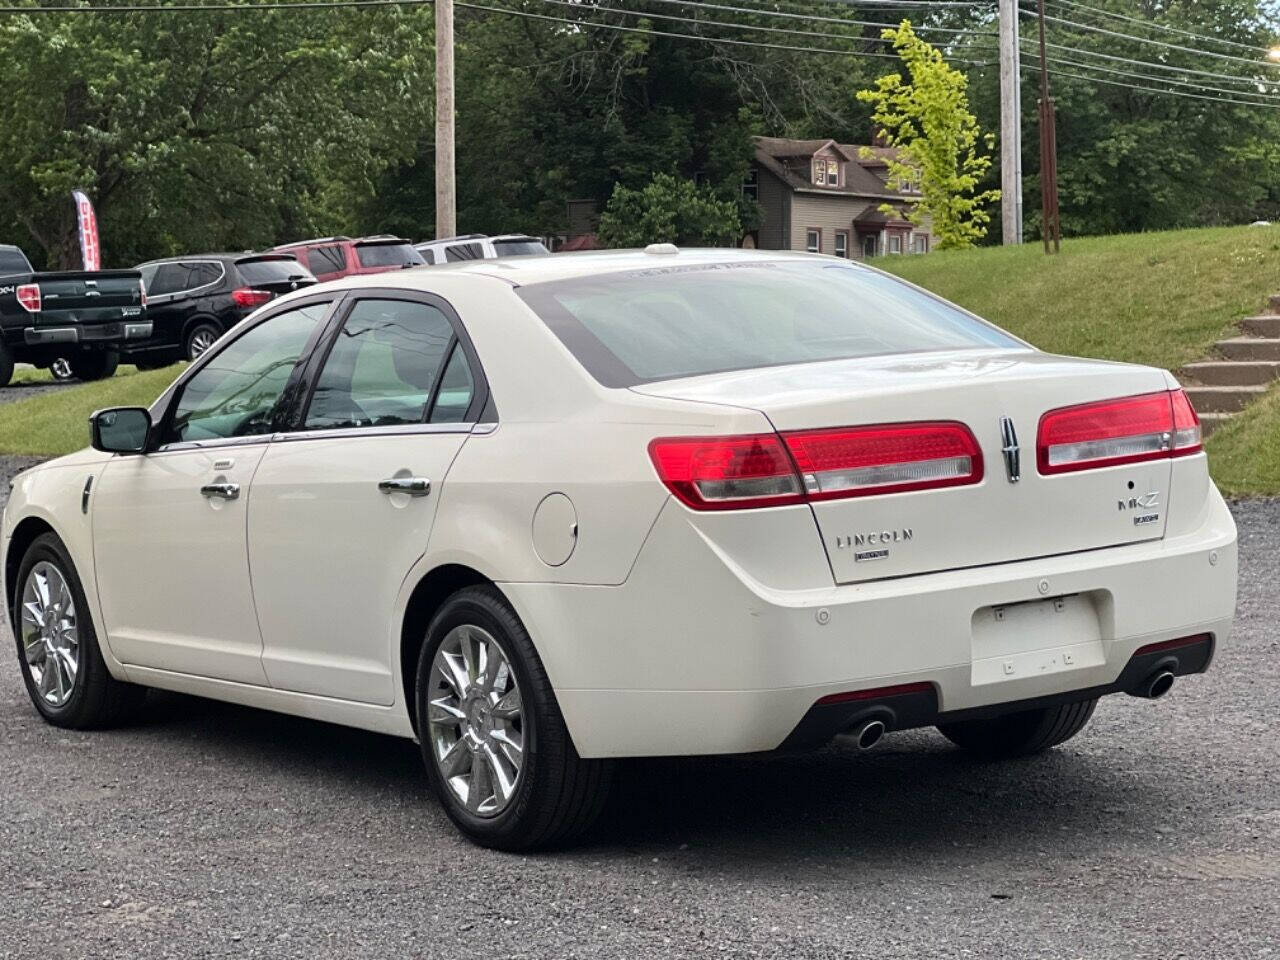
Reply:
x=548, y=268
x=236, y=257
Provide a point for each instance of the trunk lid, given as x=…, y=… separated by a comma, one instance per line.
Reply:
x=996, y=520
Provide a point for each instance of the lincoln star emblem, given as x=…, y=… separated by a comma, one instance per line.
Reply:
x=1012, y=454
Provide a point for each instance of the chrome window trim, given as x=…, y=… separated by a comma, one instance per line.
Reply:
x=386, y=430
x=188, y=291
x=191, y=445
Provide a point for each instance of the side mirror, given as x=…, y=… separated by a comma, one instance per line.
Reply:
x=120, y=429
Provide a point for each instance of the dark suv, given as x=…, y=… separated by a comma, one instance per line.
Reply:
x=194, y=300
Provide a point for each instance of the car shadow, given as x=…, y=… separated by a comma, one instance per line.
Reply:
x=914, y=797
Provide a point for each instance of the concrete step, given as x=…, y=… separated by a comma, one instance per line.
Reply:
x=1211, y=421
x=1249, y=348
x=1266, y=325
x=1274, y=302
x=1231, y=373
x=1223, y=399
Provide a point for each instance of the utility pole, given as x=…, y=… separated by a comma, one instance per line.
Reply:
x=1010, y=124
x=1050, y=226
x=446, y=195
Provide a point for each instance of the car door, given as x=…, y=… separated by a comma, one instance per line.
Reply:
x=169, y=528
x=167, y=307
x=342, y=505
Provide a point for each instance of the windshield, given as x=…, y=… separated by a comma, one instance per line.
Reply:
x=257, y=272
x=523, y=247
x=387, y=255
x=665, y=323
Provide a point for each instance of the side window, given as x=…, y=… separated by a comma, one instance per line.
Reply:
x=235, y=394
x=463, y=251
x=149, y=278
x=170, y=278
x=205, y=273
x=457, y=387
x=326, y=260
x=383, y=367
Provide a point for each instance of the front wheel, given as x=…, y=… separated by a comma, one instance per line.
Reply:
x=94, y=364
x=1020, y=734
x=58, y=653
x=497, y=751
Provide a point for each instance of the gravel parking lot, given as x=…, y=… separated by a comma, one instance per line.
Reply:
x=210, y=830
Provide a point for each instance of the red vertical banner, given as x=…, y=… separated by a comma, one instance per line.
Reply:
x=87, y=220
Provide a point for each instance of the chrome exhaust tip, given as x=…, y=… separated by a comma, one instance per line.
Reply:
x=867, y=734
x=1156, y=685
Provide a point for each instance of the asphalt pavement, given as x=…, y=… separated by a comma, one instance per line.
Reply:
x=208, y=830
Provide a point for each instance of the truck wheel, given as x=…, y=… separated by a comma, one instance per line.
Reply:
x=60, y=370
x=1020, y=734
x=94, y=365
x=6, y=365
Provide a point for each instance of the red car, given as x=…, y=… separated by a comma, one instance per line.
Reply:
x=333, y=257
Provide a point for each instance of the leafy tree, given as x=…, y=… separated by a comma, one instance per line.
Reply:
x=668, y=210
x=200, y=130
x=928, y=120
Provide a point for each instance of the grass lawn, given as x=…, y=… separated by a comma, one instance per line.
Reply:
x=1244, y=455
x=55, y=423
x=1157, y=298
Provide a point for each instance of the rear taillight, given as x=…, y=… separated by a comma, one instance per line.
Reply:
x=889, y=458
x=142, y=289
x=248, y=297
x=726, y=473
x=769, y=470
x=1108, y=433
x=29, y=297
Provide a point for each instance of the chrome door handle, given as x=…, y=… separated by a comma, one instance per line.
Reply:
x=223, y=491
x=413, y=486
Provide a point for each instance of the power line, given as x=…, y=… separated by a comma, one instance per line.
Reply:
x=1158, y=90
x=1190, y=71
x=1147, y=40
x=1262, y=101
x=817, y=18
x=217, y=7
x=1156, y=25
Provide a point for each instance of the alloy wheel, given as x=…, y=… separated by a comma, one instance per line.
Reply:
x=476, y=719
x=201, y=341
x=50, y=640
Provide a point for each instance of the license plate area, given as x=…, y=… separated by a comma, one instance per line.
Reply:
x=1037, y=637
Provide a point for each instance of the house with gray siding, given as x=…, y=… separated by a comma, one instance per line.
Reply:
x=827, y=197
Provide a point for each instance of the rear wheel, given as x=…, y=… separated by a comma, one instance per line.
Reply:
x=94, y=364
x=58, y=653
x=1021, y=734
x=495, y=744
x=60, y=370
x=200, y=338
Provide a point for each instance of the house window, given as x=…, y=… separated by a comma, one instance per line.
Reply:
x=895, y=243
x=820, y=172
x=813, y=241
x=751, y=185
x=842, y=243
x=920, y=243
x=833, y=174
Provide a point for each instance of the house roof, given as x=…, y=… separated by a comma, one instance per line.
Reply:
x=772, y=152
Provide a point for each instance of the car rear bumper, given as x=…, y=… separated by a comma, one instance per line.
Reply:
x=692, y=656
x=88, y=334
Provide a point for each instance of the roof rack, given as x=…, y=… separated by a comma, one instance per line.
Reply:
x=461, y=236
x=307, y=243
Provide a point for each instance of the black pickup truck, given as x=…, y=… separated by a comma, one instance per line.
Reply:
x=84, y=318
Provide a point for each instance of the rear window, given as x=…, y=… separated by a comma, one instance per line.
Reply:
x=254, y=272
x=464, y=251
x=387, y=255
x=661, y=324
x=13, y=261
x=518, y=248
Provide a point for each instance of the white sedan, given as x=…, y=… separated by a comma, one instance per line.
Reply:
x=542, y=513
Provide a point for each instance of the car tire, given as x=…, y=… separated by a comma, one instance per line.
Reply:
x=60, y=370
x=1020, y=734
x=556, y=795
x=92, y=697
x=200, y=338
x=94, y=364
x=6, y=365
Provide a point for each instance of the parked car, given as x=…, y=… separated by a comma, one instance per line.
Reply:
x=334, y=257
x=633, y=504
x=194, y=300
x=82, y=318
x=479, y=246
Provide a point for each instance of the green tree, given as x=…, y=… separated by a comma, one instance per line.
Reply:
x=668, y=210
x=200, y=130
x=928, y=119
